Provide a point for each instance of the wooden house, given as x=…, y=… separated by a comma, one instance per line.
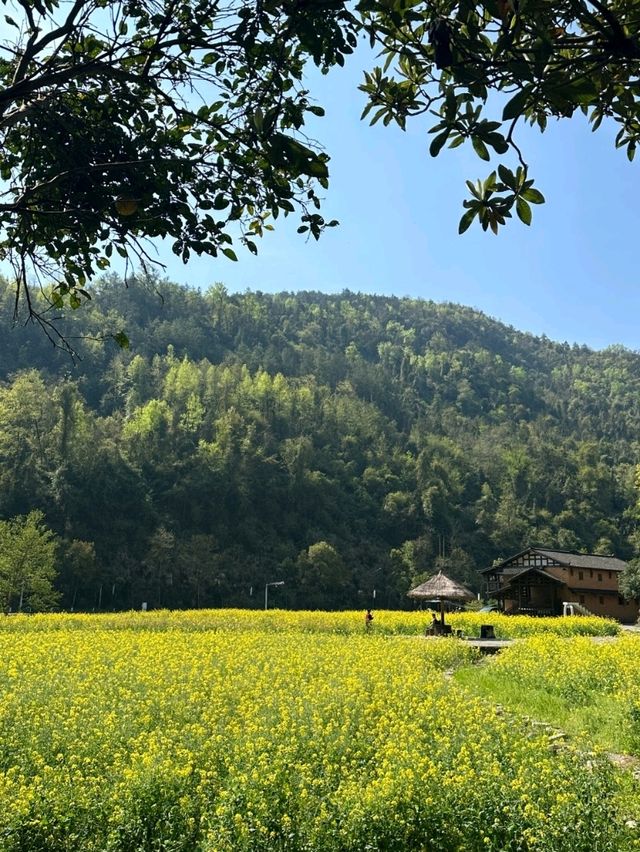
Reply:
x=540, y=580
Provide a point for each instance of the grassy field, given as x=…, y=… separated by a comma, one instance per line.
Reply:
x=234, y=732
x=591, y=690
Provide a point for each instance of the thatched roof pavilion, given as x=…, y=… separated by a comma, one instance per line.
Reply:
x=441, y=588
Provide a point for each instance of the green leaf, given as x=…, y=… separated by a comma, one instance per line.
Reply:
x=490, y=183
x=316, y=168
x=230, y=253
x=480, y=148
x=466, y=220
x=292, y=154
x=258, y=119
x=507, y=176
x=122, y=340
x=517, y=104
x=542, y=53
x=497, y=142
x=577, y=92
x=523, y=210
x=437, y=143
x=533, y=196
x=474, y=190
x=451, y=104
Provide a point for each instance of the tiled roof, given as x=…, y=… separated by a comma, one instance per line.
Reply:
x=564, y=557
x=583, y=560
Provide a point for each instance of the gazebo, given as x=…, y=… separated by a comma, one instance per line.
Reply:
x=441, y=588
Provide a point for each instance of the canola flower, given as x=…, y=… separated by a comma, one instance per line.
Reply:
x=574, y=668
x=386, y=622
x=238, y=740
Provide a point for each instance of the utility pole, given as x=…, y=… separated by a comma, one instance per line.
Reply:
x=266, y=591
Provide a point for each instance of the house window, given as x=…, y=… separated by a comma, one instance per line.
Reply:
x=525, y=593
x=609, y=574
x=580, y=577
x=621, y=601
x=581, y=599
x=600, y=577
x=591, y=572
x=571, y=571
x=601, y=599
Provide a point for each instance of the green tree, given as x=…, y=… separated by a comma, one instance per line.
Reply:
x=78, y=573
x=629, y=582
x=127, y=119
x=122, y=120
x=202, y=571
x=460, y=566
x=323, y=577
x=27, y=564
x=148, y=430
x=159, y=566
x=28, y=450
x=412, y=562
x=185, y=482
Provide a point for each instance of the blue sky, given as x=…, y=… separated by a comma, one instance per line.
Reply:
x=572, y=275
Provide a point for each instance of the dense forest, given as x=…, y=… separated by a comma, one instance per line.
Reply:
x=340, y=443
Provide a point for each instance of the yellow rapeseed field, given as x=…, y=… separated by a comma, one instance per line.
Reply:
x=385, y=622
x=243, y=734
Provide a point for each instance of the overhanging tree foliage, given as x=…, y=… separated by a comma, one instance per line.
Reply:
x=480, y=70
x=127, y=120
x=123, y=121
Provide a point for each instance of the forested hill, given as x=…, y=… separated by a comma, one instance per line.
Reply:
x=341, y=443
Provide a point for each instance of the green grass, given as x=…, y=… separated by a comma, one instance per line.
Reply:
x=602, y=723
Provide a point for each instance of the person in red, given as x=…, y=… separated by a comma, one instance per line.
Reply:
x=368, y=619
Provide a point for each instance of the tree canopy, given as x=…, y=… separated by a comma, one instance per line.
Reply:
x=123, y=121
x=127, y=120
x=479, y=70
x=27, y=564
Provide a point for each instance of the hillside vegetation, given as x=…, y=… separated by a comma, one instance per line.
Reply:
x=341, y=443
